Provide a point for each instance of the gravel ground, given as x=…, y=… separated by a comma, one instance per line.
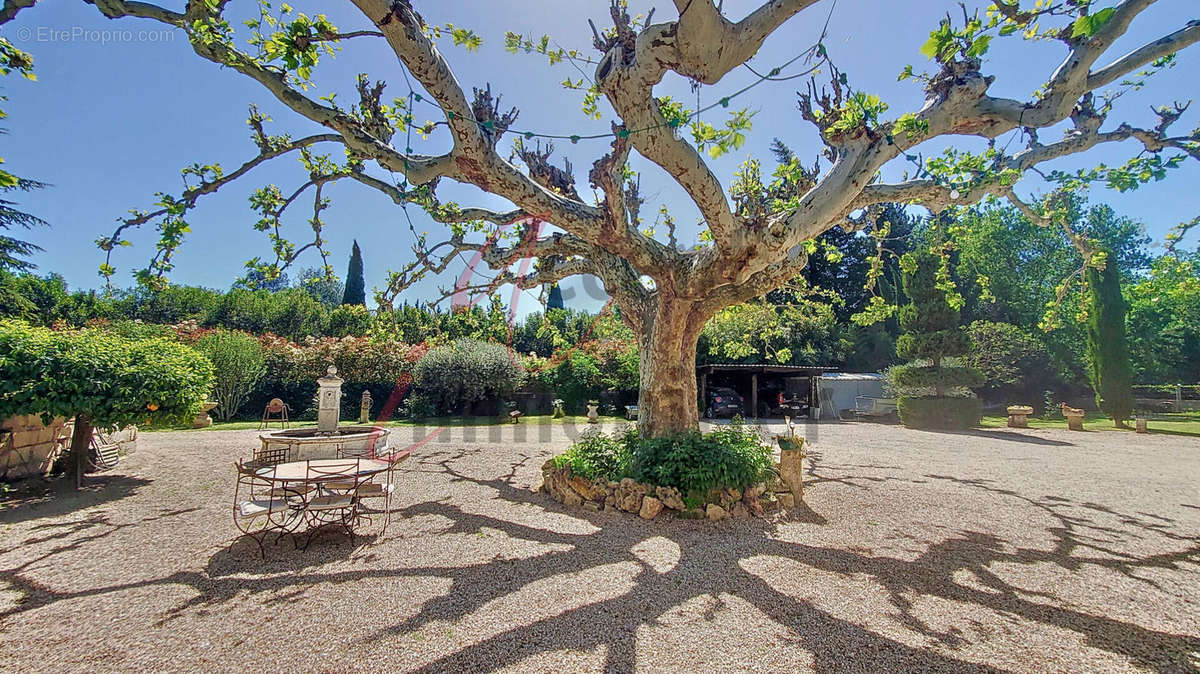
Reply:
x=988, y=551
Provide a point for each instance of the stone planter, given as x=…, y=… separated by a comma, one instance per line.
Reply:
x=1018, y=416
x=789, y=442
x=650, y=502
x=203, y=420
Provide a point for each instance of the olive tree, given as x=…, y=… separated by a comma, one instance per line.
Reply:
x=758, y=234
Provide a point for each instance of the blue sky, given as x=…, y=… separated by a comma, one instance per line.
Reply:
x=113, y=117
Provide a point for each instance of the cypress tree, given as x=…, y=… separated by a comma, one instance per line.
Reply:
x=356, y=292
x=1108, y=350
x=555, y=300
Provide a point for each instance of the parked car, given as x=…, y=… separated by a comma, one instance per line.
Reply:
x=723, y=402
x=782, y=404
x=777, y=399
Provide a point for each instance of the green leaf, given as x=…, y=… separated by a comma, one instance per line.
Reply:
x=1089, y=25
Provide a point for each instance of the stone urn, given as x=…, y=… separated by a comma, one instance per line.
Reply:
x=1018, y=416
x=593, y=411
x=203, y=420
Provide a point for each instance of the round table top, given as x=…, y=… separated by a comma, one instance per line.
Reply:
x=327, y=469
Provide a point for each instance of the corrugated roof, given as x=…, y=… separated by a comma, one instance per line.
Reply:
x=853, y=376
x=811, y=369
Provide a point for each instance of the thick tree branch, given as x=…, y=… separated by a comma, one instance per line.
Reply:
x=1165, y=46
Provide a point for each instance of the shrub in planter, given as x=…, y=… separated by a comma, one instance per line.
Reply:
x=598, y=455
x=731, y=456
x=238, y=363
x=465, y=372
x=694, y=463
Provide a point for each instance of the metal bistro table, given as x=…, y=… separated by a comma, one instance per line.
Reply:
x=316, y=471
x=328, y=492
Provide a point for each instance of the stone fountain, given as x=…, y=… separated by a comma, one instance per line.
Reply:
x=328, y=438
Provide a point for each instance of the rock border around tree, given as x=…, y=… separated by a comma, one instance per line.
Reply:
x=650, y=502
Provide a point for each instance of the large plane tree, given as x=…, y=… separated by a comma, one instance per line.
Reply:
x=759, y=233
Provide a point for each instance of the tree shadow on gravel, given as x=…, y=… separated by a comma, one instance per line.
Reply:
x=1007, y=436
x=713, y=562
x=36, y=498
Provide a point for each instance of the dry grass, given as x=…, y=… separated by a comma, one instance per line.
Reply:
x=1031, y=551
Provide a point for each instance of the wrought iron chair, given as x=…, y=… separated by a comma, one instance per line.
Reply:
x=335, y=500
x=258, y=499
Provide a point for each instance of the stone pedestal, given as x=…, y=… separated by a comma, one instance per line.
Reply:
x=593, y=413
x=364, y=410
x=329, y=396
x=1018, y=416
x=791, y=471
x=1075, y=422
x=1140, y=425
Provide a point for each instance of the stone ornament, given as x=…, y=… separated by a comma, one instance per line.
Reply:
x=1018, y=416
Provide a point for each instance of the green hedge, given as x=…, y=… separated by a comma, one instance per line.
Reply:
x=940, y=413
x=111, y=380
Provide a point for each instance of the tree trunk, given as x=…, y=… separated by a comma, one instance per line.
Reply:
x=667, y=351
x=81, y=441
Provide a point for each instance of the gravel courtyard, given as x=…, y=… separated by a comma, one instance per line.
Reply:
x=988, y=551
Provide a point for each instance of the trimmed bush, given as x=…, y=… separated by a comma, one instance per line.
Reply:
x=238, y=364
x=466, y=372
x=919, y=376
x=940, y=413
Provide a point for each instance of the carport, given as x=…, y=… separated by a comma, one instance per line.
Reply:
x=748, y=379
